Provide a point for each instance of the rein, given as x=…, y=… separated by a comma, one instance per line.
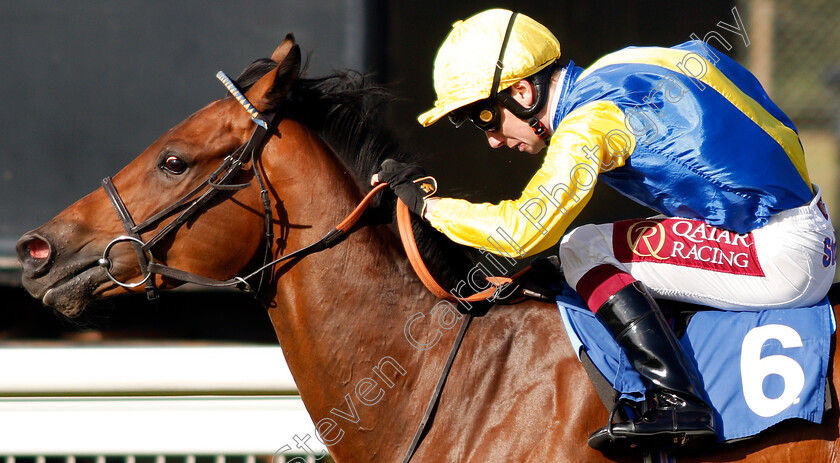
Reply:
x=407, y=238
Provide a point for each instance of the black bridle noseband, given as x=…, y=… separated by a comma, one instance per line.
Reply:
x=219, y=180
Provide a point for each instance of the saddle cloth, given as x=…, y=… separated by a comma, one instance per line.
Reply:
x=759, y=368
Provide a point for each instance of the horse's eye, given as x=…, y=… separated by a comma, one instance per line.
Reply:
x=174, y=164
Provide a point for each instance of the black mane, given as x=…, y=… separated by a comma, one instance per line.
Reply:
x=347, y=112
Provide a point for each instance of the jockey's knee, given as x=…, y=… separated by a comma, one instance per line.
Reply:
x=583, y=236
x=584, y=248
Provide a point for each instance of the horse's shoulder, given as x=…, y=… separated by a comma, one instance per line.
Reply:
x=531, y=328
x=527, y=312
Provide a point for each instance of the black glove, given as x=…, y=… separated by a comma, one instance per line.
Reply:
x=409, y=182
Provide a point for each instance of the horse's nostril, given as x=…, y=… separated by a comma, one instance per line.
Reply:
x=34, y=254
x=38, y=249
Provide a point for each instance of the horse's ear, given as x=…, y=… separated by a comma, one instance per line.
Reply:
x=283, y=49
x=269, y=91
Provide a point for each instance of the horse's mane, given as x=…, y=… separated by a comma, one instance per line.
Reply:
x=348, y=113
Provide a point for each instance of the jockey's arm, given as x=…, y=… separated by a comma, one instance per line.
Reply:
x=589, y=140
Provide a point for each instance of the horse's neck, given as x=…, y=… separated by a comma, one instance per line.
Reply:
x=340, y=314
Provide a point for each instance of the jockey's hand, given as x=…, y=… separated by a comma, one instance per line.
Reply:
x=409, y=182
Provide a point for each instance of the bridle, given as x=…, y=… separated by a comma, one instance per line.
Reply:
x=220, y=180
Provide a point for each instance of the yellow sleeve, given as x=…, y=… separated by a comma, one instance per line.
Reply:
x=589, y=140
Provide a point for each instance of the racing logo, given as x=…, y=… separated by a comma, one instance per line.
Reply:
x=687, y=243
x=646, y=238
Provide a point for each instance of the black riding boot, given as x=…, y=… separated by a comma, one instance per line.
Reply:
x=678, y=416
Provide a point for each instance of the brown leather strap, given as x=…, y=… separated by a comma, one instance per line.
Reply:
x=407, y=238
x=351, y=219
x=413, y=253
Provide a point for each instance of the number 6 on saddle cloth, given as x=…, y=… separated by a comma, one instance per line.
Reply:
x=759, y=368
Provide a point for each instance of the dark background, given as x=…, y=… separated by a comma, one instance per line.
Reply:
x=85, y=86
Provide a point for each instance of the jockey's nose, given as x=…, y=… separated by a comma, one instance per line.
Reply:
x=494, y=140
x=34, y=253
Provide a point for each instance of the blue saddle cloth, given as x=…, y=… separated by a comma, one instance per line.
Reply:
x=758, y=368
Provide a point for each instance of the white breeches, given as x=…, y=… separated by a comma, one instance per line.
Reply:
x=787, y=263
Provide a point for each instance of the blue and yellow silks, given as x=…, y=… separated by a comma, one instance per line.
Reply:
x=685, y=131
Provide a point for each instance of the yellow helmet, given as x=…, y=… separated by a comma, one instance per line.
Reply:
x=466, y=62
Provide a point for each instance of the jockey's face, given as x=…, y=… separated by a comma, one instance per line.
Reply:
x=513, y=132
x=516, y=134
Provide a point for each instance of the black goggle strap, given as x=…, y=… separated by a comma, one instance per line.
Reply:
x=497, y=75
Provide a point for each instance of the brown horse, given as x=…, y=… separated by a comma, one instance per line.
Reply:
x=363, y=338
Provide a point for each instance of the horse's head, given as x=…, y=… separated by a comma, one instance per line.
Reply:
x=67, y=261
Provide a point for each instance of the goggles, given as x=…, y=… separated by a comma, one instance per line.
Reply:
x=485, y=114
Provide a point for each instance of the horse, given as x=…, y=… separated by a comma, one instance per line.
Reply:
x=365, y=341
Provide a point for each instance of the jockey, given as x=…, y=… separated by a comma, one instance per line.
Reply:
x=685, y=131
